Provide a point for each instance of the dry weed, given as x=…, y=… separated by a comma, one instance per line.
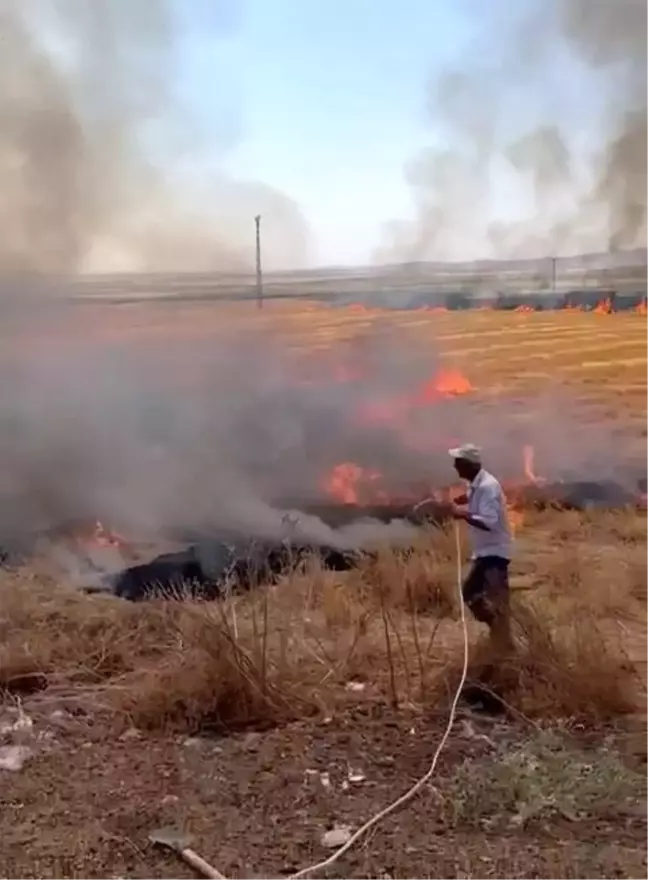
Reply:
x=292, y=648
x=573, y=666
x=420, y=579
x=217, y=677
x=49, y=632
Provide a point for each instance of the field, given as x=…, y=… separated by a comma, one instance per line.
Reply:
x=261, y=723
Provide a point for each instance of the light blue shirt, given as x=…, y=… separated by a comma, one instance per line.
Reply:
x=487, y=503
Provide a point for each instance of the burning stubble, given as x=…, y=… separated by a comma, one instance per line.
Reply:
x=93, y=172
x=578, y=191
x=172, y=436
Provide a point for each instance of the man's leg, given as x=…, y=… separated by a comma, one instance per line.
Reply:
x=484, y=691
x=486, y=593
x=473, y=589
x=497, y=600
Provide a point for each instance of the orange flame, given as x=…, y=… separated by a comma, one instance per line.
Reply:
x=525, y=308
x=349, y=483
x=104, y=537
x=604, y=307
x=642, y=307
x=346, y=482
x=445, y=384
x=92, y=536
x=528, y=456
x=515, y=518
x=449, y=383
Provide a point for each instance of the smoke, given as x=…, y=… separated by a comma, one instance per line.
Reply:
x=544, y=148
x=92, y=174
x=170, y=433
x=144, y=421
x=142, y=416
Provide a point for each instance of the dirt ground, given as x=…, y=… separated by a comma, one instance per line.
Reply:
x=258, y=804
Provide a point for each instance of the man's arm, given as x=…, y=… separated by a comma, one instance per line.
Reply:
x=485, y=516
x=471, y=519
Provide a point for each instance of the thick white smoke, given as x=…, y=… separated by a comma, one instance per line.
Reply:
x=154, y=427
x=89, y=179
x=543, y=126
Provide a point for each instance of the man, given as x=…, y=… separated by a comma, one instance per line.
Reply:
x=483, y=508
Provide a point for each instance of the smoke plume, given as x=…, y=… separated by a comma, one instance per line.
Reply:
x=147, y=418
x=157, y=428
x=555, y=125
x=88, y=177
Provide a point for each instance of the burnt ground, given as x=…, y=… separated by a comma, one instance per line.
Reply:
x=257, y=804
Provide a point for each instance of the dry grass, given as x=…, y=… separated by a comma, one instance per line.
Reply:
x=293, y=649
x=591, y=353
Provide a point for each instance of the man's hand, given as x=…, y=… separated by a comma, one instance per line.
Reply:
x=459, y=512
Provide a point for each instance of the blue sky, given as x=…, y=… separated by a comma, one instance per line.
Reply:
x=326, y=100
x=334, y=104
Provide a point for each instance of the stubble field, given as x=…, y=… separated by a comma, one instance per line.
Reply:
x=261, y=723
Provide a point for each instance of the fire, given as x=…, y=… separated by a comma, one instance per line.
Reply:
x=104, y=537
x=604, y=307
x=528, y=460
x=347, y=482
x=515, y=517
x=448, y=383
x=525, y=308
x=94, y=536
x=397, y=408
x=642, y=307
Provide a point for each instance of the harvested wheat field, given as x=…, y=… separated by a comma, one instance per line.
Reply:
x=260, y=722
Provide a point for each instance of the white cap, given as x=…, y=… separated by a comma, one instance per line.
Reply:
x=467, y=452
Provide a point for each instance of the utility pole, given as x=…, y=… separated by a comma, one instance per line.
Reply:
x=259, y=276
x=553, y=274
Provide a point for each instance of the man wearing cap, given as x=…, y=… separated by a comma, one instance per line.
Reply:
x=483, y=508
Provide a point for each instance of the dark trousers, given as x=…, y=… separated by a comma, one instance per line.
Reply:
x=486, y=589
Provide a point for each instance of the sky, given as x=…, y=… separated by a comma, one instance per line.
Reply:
x=149, y=134
x=335, y=103
x=324, y=100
